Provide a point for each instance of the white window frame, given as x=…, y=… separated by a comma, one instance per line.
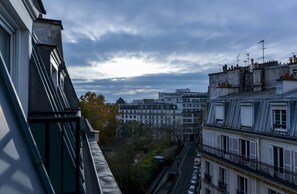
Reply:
x=247, y=114
x=279, y=107
x=12, y=44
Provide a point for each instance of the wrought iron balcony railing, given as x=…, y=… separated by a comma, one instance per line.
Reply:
x=207, y=178
x=239, y=191
x=68, y=123
x=276, y=173
x=222, y=186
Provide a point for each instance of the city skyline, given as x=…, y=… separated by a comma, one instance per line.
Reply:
x=135, y=49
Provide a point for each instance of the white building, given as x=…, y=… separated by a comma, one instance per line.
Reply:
x=151, y=113
x=250, y=135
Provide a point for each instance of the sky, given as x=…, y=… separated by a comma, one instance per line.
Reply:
x=136, y=48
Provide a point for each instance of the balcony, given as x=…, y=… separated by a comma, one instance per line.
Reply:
x=57, y=135
x=207, y=178
x=222, y=186
x=238, y=191
x=278, y=174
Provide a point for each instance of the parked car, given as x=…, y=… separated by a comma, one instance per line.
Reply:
x=196, y=167
x=192, y=189
x=195, y=172
x=197, y=159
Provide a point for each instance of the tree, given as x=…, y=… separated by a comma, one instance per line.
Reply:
x=102, y=116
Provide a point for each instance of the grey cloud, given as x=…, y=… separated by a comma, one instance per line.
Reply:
x=155, y=30
x=146, y=86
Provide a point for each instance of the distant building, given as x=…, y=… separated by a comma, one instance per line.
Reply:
x=151, y=113
x=192, y=106
x=249, y=136
x=46, y=146
x=179, y=110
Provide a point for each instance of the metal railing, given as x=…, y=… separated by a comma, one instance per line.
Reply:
x=222, y=185
x=277, y=173
x=62, y=118
x=239, y=191
x=207, y=178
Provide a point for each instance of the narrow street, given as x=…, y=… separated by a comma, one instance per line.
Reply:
x=186, y=169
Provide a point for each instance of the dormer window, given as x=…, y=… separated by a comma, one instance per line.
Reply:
x=279, y=116
x=280, y=119
x=246, y=114
x=219, y=113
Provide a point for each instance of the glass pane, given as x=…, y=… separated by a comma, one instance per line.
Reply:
x=5, y=46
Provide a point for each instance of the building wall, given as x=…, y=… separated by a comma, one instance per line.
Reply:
x=17, y=18
x=18, y=173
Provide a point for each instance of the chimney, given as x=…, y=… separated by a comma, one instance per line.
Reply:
x=252, y=65
x=284, y=86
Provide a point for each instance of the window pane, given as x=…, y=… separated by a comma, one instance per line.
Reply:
x=284, y=118
x=5, y=46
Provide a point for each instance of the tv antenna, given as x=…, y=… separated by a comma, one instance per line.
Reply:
x=263, y=48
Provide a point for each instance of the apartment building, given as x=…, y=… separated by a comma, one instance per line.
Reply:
x=46, y=146
x=249, y=136
x=150, y=112
x=192, y=106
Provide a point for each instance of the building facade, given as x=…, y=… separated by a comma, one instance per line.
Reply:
x=192, y=106
x=46, y=146
x=151, y=113
x=249, y=136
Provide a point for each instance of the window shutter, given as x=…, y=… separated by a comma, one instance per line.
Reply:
x=219, y=145
x=219, y=113
x=235, y=149
x=231, y=148
x=246, y=115
x=287, y=164
x=295, y=167
x=271, y=170
x=253, y=153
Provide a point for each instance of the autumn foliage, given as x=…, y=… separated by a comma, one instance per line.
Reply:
x=101, y=115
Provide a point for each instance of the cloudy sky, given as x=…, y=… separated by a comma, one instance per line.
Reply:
x=137, y=48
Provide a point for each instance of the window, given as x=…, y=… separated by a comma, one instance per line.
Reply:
x=279, y=116
x=5, y=46
x=270, y=191
x=244, y=149
x=219, y=113
x=222, y=175
x=241, y=185
x=280, y=119
x=246, y=114
x=278, y=159
x=207, y=172
x=207, y=167
x=225, y=144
